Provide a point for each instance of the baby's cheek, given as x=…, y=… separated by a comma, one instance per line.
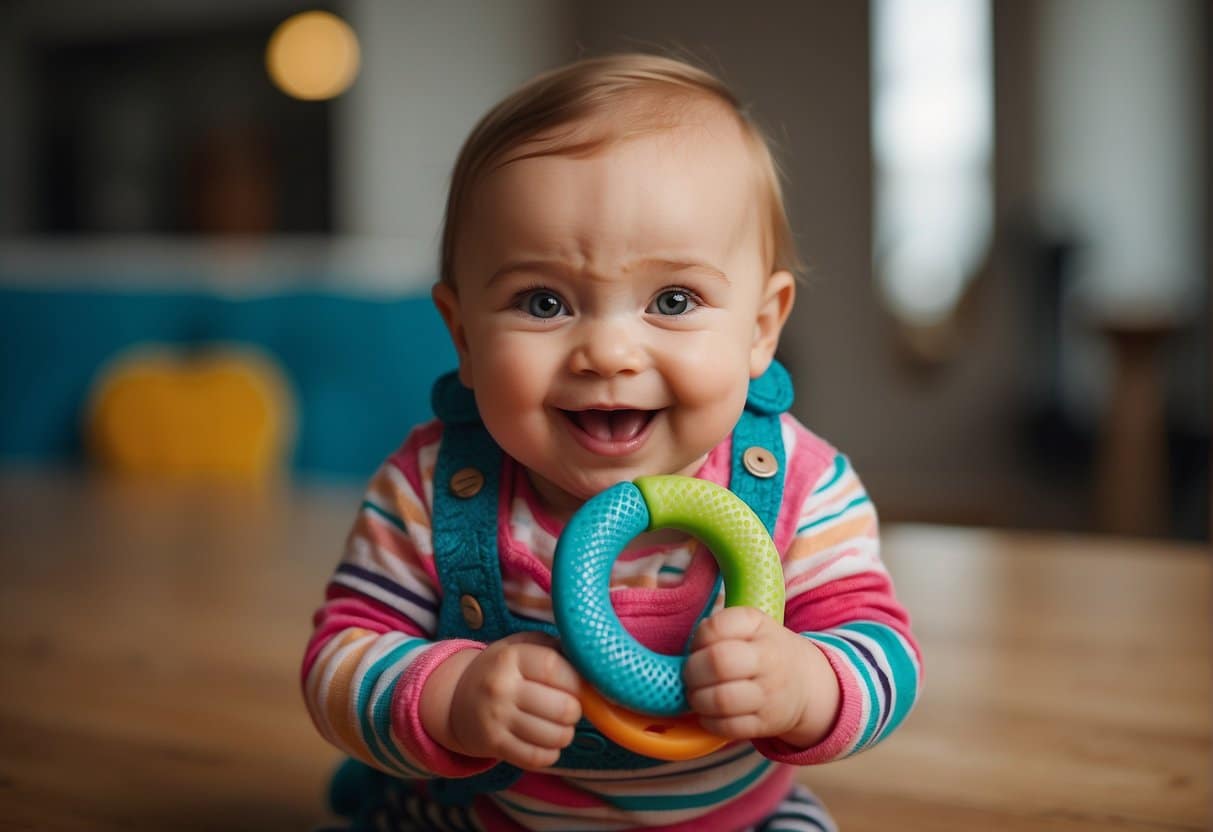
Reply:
x=707, y=416
x=514, y=370
x=707, y=377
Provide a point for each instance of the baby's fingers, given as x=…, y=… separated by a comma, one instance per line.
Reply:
x=744, y=727
x=539, y=732
x=723, y=662
x=551, y=704
x=545, y=665
x=527, y=755
x=726, y=700
x=731, y=623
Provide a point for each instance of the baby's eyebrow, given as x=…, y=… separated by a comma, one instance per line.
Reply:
x=554, y=268
x=667, y=264
x=558, y=268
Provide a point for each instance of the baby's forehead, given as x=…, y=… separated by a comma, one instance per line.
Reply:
x=600, y=108
x=685, y=191
x=697, y=153
x=631, y=182
x=688, y=118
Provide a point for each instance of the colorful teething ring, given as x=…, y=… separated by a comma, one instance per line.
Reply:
x=643, y=703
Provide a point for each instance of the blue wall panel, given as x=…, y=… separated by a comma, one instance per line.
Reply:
x=361, y=367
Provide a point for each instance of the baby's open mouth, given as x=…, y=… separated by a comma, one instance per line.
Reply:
x=611, y=425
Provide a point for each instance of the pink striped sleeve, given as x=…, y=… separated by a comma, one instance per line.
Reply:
x=406, y=715
x=838, y=741
x=840, y=596
x=372, y=648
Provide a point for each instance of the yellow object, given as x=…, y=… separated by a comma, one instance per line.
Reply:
x=221, y=413
x=313, y=56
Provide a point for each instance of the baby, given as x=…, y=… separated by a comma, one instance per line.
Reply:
x=616, y=271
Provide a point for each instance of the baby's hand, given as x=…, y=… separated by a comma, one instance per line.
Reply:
x=516, y=701
x=748, y=676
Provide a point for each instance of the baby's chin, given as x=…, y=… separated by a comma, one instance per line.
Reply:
x=564, y=495
x=564, y=492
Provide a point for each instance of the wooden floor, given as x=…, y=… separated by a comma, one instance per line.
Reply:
x=150, y=635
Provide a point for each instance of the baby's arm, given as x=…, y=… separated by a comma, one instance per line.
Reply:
x=372, y=659
x=843, y=670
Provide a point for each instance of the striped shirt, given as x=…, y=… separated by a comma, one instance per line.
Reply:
x=373, y=644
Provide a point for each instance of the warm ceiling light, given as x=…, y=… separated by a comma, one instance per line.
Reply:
x=313, y=56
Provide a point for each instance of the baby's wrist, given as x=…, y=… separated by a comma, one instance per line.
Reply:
x=822, y=695
x=437, y=705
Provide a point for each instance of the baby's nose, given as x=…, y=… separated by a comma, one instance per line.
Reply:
x=606, y=348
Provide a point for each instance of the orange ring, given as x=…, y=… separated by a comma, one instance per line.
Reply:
x=661, y=737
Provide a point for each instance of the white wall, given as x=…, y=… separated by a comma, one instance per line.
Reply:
x=1121, y=167
x=1121, y=163
x=429, y=71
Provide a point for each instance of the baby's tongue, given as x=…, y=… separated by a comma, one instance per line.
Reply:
x=612, y=425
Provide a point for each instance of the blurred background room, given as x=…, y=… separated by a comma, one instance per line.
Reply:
x=1003, y=209
x=219, y=226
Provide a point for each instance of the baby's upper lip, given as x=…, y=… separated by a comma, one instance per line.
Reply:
x=601, y=406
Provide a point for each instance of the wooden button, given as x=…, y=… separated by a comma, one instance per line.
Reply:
x=760, y=462
x=467, y=482
x=473, y=616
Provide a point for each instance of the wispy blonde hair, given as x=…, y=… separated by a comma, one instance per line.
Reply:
x=646, y=93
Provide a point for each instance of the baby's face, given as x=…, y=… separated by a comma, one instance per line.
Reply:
x=610, y=311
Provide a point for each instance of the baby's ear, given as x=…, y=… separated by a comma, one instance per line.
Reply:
x=777, y=297
x=447, y=301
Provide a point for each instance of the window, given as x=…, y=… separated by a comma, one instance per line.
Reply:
x=932, y=134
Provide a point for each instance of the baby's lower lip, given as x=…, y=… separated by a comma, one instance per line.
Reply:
x=608, y=447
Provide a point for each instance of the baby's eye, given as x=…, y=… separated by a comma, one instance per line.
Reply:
x=542, y=304
x=673, y=302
